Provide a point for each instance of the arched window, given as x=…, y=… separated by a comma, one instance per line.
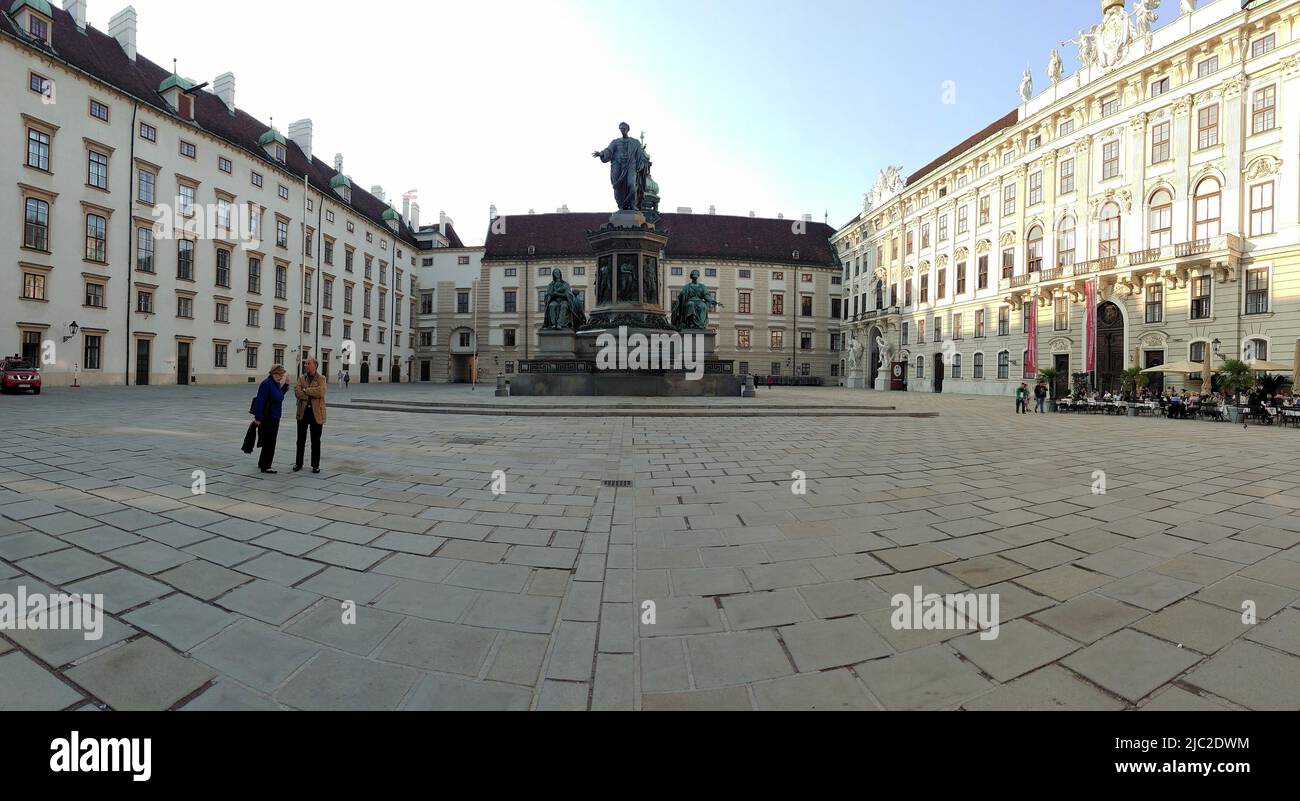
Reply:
x=1197, y=351
x=1109, y=230
x=1004, y=362
x=1024, y=366
x=1034, y=248
x=1208, y=209
x=1160, y=219
x=1065, y=242
x=956, y=365
x=920, y=367
x=1255, y=349
x=978, y=366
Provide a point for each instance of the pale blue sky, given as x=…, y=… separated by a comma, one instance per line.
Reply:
x=774, y=107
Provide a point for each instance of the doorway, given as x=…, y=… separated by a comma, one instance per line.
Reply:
x=1061, y=384
x=365, y=372
x=460, y=368
x=31, y=348
x=938, y=372
x=1110, y=346
x=873, y=362
x=1155, y=381
x=424, y=370
x=142, y=362
x=183, y=363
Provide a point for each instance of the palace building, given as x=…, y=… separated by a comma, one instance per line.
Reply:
x=777, y=282
x=1142, y=211
x=160, y=235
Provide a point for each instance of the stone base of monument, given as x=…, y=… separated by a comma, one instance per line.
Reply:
x=747, y=391
x=582, y=376
x=856, y=382
x=556, y=344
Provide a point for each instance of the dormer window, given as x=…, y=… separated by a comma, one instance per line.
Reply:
x=35, y=17
x=176, y=91
x=273, y=143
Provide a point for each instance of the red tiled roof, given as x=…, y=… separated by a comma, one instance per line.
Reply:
x=101, y=57
x=1002, y=124
x=690, y=236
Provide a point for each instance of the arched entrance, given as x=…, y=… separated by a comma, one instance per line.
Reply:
x=937, y=372
x=1110, y=346
x=365, y=372
x=873, y=360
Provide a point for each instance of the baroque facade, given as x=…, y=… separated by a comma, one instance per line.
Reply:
x=1160, y=179
x=160, y=235
x=777, y=282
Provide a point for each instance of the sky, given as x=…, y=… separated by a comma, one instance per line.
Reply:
x=772, y=107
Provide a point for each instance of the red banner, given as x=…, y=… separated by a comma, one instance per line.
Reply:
x=1031, y=348
x=1090, y=325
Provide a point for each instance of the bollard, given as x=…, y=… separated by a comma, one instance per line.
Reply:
x=503, y=387
x=747, y=391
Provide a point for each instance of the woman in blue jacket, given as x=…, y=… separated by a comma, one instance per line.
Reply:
x=266, y=414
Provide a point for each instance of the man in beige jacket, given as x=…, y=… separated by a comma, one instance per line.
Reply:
x=310, y=392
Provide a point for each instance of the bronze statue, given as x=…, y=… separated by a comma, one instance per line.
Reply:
x=691, y=310
x=563, y=306
x=628, y=168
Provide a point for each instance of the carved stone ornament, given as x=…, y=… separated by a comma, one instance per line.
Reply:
x=983, y=246
x=1263, y=166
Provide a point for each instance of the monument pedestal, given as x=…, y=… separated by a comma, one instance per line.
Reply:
x=553, y=344
x=856, y=382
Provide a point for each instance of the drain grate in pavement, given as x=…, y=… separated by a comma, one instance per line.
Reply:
x=612, y=483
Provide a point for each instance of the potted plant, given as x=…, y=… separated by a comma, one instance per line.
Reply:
x=1132, y=379
x=1048, y=376
x=1234, y=377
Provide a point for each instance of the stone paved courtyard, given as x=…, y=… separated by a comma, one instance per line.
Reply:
x=764, y=599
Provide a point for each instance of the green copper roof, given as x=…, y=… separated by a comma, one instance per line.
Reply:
x=37, y=5
x=389, y=214
x=175, y=80
x=270, y=136
x=340, y=180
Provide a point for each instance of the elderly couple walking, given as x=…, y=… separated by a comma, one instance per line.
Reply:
x=310, y=393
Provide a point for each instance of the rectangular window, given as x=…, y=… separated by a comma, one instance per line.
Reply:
x=1207, y=127
x=250, y=358
x=1009, y=263
x=185, y=307
x=941, y=288
x=777, y=339
x=224, y=165
x=985, y=203
x=284, y=195
x=742, y=338
x=1109, y=160
x=1257, y=291
x=148, y=132
x=509, y=337
x=185, y=259
x=961, y=278
x=1160, y=150
x=282, y=282
x=1066, y=128
x=920, y=332
x=1263, y=45
x=223, y=267
x=1159, y=87
x=38, y=149
x=95, y=295
x=1261, y=209
x=778, y=303
x=938, y=329
x=462, y=303
x=1008, y=200
x=511, y=301
x=979, y=323
x=1004, y=321
x=963, y=224
x=1155, y=303
x=186, y=196
x=144, y=302
x=282, y=233
x=805, y=340
x=1004, y=369
x=1263, y=110
x=255, y=276
x=223, y=313
x=1035, y=188
x=982, y=272
x=943, y=228
x=1109, y=106
x=188, y=150
x=958, y=330
x=279, y=321
x=806, y=302
x=1208, y=66
x=1067, y=176
x=96, y=238
x=34, y=286
x=256, y=178
x=36, y=225
x=144, y=249
x=925, y=238
x=97, y=171
x=220, y=355
x=144, y=186
x=1201, y=297
x=743, y=302
x=925, y=288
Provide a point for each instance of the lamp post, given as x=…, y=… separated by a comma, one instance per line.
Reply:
x=73, y=328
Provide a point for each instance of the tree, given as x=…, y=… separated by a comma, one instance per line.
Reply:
x=1048, y=376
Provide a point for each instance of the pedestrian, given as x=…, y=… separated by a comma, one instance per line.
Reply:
x=769, y=381
x=347, y=379
x=1040, y=396
x=266, y=415
x=1022, y=399
x=310, y=392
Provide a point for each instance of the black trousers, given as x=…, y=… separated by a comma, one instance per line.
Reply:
x=268, y=431
x=308, y=422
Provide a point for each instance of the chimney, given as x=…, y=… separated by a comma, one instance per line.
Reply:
x=531, y=211
x=415, y=216
x=300, y=135
x=807, y=218
x=122, y=27
x=406, y=209
x=77, y=8
x=442, y=223
x=224, y=86
x=492, y=212
x=683, y=209
x=751, y=214
x=780, y=216
x=713, y=210
x=378, y=192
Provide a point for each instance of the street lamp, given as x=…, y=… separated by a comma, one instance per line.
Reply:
x=73, y=328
